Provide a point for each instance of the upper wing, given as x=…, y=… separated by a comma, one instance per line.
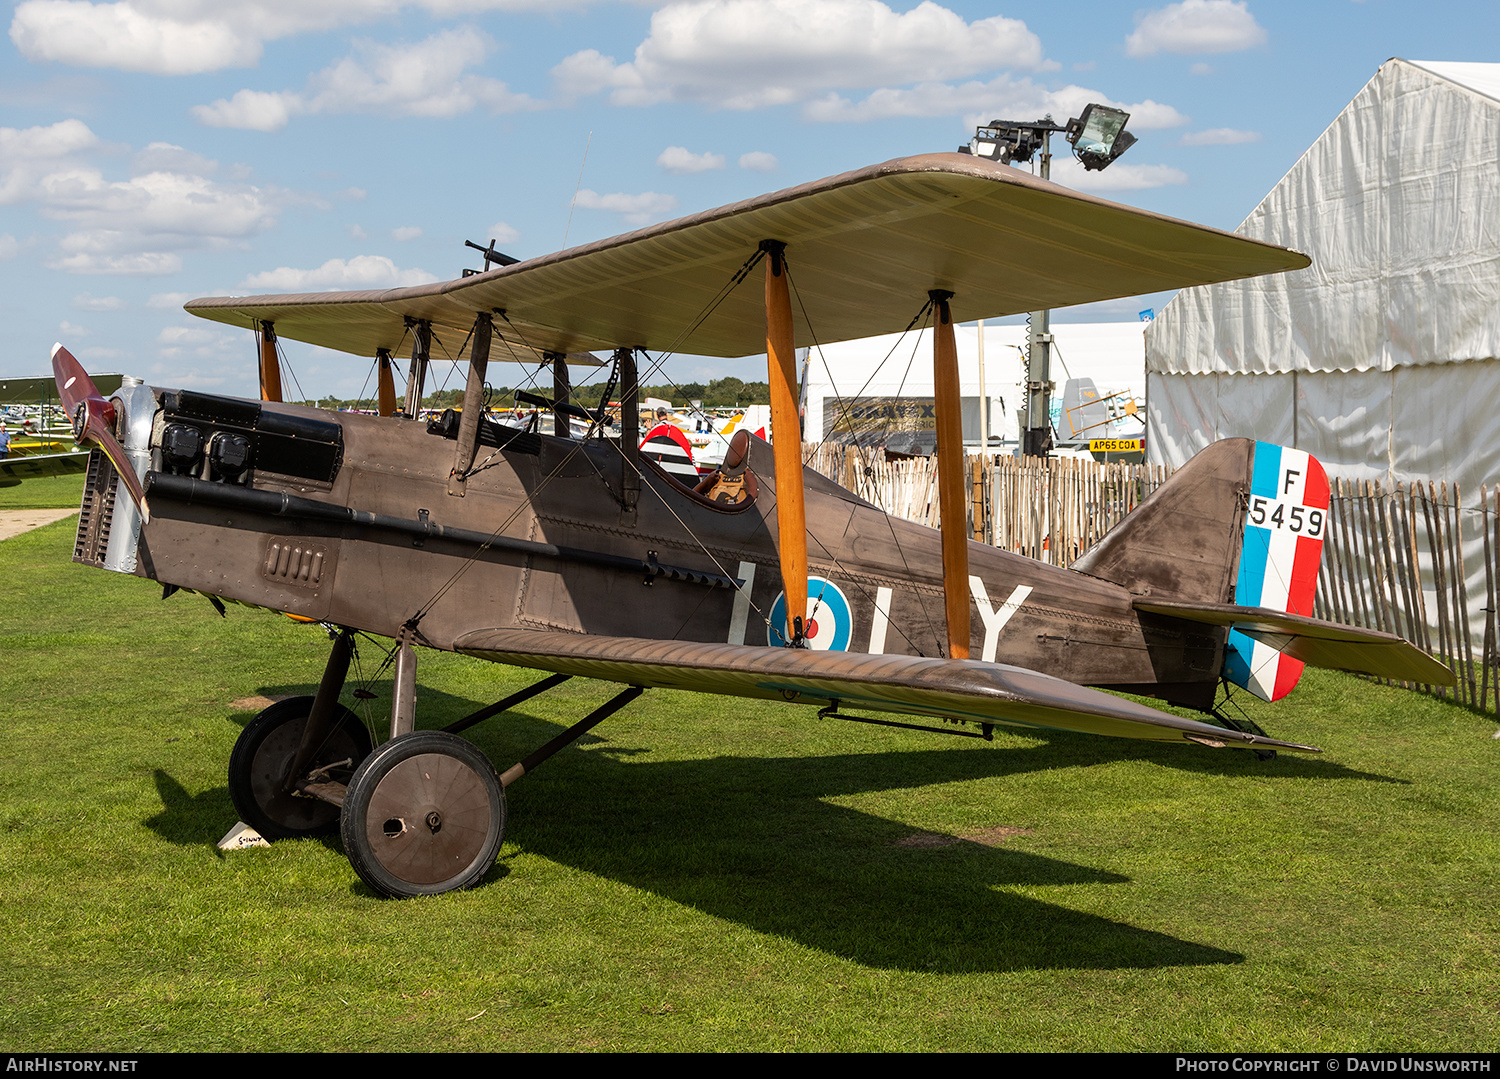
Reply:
x=864, y=248
x=911, y=685
x=1314, y=641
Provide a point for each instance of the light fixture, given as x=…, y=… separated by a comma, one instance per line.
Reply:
x=1099, y=136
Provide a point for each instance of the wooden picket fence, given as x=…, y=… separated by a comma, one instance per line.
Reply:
x=1404, y=561
x=1051, y=510
x=1407, y=561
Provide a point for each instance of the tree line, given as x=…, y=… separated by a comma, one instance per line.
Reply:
x=727, y=392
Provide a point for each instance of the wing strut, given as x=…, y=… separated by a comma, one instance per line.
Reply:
x=560, y=393
x=468, y=424
x=791, y=515
x=270, y=364
x=386, y=383
x=950, y=467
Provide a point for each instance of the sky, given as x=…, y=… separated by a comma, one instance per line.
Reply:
x=152, y=151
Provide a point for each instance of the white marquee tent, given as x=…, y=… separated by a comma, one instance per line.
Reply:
x=1383, y=357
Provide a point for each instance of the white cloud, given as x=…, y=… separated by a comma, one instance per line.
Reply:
x=201, y=356
x=198, y=340
x=125, y=37
x=137, y=226
x=360, y=272
x=1003, y=97
x=422, y=79
x=165, y=157
x=1200, y=68
x=168, y=301
x=680, y=161
x=635, y=209
x=186, y=37
x=56, y=140
x=67, y=329
x=85, y=301
x=1118, y=177
x=132, y=226
x=501, y=233
x=1195, y=26
x=250, y=110
x=745, y=54
x=1219, y=136
x=10, y=247
x=759, y=161
x=406, y=232
x=90, y=260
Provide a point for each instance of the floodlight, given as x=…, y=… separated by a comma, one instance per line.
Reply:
x=1099, y=136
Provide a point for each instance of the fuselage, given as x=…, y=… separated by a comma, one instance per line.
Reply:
x=545, y=534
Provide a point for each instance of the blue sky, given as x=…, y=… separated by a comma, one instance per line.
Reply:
x=156, y=150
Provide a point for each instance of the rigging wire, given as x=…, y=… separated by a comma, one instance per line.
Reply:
x=463, y=567
x=922, y=603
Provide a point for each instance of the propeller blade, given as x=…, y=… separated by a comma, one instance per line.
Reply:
x=94, y=421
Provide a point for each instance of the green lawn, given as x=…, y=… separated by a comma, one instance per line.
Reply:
x=51, y=492
x=705, y=873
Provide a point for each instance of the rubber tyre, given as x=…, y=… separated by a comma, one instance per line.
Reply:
x=264, y=752
x=425, y=814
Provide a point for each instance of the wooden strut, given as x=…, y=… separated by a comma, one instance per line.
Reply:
x=791, y=513
x=386, y=384
x=270, y=364
x=950, y=467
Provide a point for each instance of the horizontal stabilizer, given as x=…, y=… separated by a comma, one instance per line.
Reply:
x=1312, y=640
x=911, y=685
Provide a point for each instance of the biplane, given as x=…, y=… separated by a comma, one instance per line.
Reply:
x=580, y=557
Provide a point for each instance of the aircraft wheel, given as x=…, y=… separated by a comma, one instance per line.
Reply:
x=262, y=755
x=425, y=814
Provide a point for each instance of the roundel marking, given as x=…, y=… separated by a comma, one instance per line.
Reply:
x=829, y=620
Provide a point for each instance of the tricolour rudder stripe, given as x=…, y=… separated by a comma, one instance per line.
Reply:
x=1286, y=518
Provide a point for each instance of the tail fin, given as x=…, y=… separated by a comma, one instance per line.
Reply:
x=1242, y=524
x=1285, y=521
x=1183, y=541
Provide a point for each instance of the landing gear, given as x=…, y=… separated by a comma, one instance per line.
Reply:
x=421, y=815
x=425, y=814
x=262, y=759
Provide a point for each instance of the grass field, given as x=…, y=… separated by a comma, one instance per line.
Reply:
x=52, y=491
x=712, y=874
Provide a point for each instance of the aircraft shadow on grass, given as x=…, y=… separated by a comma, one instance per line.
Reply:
x=755, y=841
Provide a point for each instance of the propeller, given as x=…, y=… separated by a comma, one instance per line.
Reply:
x=94, y=420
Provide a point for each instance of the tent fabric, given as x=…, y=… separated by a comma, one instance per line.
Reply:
x=1398, y=205
x=1382, y=359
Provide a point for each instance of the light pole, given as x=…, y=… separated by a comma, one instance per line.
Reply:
x=1098, y=137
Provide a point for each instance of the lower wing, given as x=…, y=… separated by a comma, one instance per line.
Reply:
x=910, y=685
